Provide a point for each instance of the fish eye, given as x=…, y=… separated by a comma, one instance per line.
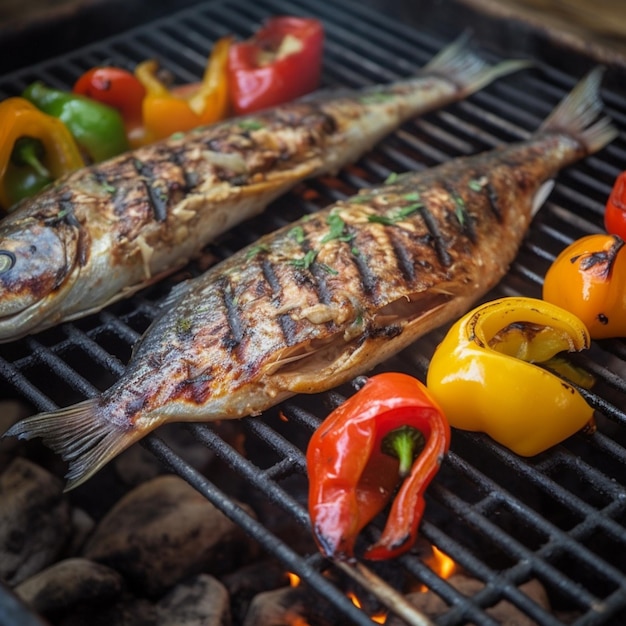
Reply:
x=7, y=261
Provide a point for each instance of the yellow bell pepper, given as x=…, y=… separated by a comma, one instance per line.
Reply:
x=167, y=111
x=486, y=374
x=589, y=279
x=19, y=118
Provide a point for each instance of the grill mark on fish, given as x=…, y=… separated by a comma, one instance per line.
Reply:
x=492, y=198
x=286, y=324
x=233, y=317
x=437, y=240
x=405, y=258
x=156, y=196
x=190, y=178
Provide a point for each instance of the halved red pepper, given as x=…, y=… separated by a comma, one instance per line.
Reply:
x=361, y=452
x=282, y=61
x=118, y=88
x=615, y=212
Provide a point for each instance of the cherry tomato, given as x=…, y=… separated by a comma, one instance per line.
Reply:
x=615, y=213
x=117, y=88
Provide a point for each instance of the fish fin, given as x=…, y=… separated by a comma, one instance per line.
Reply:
x=542, y=195
x=466, y=69
x=81, y=434
x=578, y=114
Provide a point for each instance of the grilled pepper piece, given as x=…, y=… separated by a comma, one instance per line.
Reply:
x=486, y=374
x=118, y=88
x=589, y=279
x=615, y=210
x=59, y=154
x=97, y=128
x=168, y=111
x=282, y=61
x=353, y=469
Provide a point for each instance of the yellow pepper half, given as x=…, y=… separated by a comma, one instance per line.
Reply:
x=19, y=118
x=485, y=375
x=589, y=279
x=168, y=111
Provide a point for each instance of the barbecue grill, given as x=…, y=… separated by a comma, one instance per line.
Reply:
x=559, y=517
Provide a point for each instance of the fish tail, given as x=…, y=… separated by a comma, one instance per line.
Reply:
x=578, y=115
x=81, y=435
x=466, y=69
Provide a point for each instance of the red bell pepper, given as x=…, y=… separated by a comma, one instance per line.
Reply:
x=116, y=87
x=282, y=61
x=361, y=452
x=615, y=212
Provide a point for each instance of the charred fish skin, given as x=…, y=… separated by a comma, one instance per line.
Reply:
x=131, y=220
x=330, y=296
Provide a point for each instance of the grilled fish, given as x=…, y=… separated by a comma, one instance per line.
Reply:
x=328, y=297
x=105, y=231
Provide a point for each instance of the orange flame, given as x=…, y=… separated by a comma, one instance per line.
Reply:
x=294, y=579
x=441, y=564
x=379, y=618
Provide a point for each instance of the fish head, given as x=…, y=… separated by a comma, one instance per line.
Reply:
x=36, y=256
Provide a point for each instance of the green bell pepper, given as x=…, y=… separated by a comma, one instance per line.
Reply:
x=97, y=128
x=26, y=174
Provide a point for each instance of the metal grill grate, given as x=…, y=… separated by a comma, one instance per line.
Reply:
x=559, y=517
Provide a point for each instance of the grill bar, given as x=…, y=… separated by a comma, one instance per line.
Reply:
x=559, y=517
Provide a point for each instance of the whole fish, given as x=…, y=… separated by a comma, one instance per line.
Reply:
x=328, y=297
x=105, y=231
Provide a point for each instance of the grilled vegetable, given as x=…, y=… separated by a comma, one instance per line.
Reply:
x=97, y=128
x=588, y=278
x=113, y=228
x=21, y=170
x=115, y=87
x=165, y=111
x=486, y=374
x=390, y=431
x=615, y=211
x=282, y=61
x=328, y=297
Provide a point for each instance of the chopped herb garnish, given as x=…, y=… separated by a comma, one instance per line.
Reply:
x=460, y=211
x=412, y=197
x=328, y=269
x=337, y=229
x=108, y=187
x=250, y=124
x=305, y=262
x=476, y=184
x=176, y=136
x=254, y=250
x=392, y=178
x=355, y=251
x=360, y=198
x=297, y=233
x=376, y=97
x=398, y=216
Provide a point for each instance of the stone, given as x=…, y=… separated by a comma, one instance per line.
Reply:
x=11, y=411
x=128, y=611
x=203, y=601
x=164, y=531
x=68, y=583
x=35, y=520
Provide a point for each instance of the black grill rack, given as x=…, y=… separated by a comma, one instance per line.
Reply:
x=559, y=517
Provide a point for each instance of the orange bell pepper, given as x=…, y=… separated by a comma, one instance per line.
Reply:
x=167, y=111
